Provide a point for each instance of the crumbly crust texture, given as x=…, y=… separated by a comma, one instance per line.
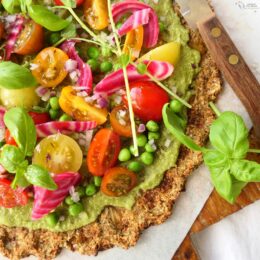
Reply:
x=117, y=226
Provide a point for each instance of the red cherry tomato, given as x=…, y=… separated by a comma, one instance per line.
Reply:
x=9, y=139
x=148, y=100
x=59, y=2
x=103, y=151
x=10, y=198
x=39, y=118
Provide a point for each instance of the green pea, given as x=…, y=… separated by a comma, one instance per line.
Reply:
x=93, y=64
x=141, y=140
x=152, y=126
x=75, y=209
x=131, y=149
x=69, y=200
x=124, y=155
x=97, y=181
x=153, y=136
x=135, y=166
x=176, y=106
x=150, y=148
x=81, y=191
x=141, y=68
x=106, y=52
x=65, y=117
x=147, y=158
x=106, y=66
x=91, y=189
x=52, y=219
x=53, y=113
x=54, y=102
x=161, y=26
x=119, y=25
x=54, y=38
x=93, y=52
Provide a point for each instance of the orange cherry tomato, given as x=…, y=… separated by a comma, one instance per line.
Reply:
x=120, y=121
x=9, y=139
x=103, y=151
x=79, y=109
x=50, y=67
x=10, y=198
x=134, y=42
x=30, y=40
x=96, y=13
x=118, y=181
x=2, y=30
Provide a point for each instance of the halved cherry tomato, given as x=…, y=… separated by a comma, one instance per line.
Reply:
x=103, y=151
x=134, y=42
x=58, y=2
x=79, y=109
x=30, y=40
x=96, y=13
x=39, y=118
x=120, y=121
x=50, y=67
x=9, y=139
x=10, y=198
x=148, y=100
x=2, y=30
x=118, y=181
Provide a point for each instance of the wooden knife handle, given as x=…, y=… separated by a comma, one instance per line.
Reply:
x=233, y=66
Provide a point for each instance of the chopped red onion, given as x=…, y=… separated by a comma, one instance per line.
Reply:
x=71, y=65
x=141, y=128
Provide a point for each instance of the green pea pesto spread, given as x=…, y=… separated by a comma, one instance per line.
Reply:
x=166, y=156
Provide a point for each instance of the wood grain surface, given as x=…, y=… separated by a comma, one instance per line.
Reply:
x=233, y=66
x=217, y=208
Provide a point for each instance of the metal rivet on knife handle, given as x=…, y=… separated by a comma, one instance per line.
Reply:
x=216, y=32
x=233, y=59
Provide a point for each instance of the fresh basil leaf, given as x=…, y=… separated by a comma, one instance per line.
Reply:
x=40, y=177
x=69, y=32
x=11, y=158
x=11, y=6
x=14, y=76
x=246, y=171
x=229, y=135
x=47, y=18
x=214, y=158
x=22, y=129
x=175, y=125
x=237, y=187
x=69, y=3
x=19, y=179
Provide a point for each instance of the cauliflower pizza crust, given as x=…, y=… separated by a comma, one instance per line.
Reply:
x=118, y=226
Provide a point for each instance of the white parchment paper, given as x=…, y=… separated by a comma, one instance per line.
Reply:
x=161, y=242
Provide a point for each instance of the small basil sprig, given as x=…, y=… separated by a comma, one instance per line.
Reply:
x=229, y=171
x=13, y=158
x=22, y=129
x=11, y=6
x=14, y=76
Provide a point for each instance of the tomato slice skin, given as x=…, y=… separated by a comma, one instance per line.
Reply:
x=103, y=151
x=30, y=40
x=39, y=118
x=118, y=181
x=10, y=198
x=122, y=130
x=148, y=100
x=9, y=139
x=59, y=2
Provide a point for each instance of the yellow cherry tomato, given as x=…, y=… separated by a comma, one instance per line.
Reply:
x=58, y=154
x=96, y=13
x=79, y=109
x=49, y=69
x=25, y=97
x=134, y=42
x=169, y=52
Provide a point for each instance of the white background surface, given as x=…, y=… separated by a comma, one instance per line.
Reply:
x=160, y=242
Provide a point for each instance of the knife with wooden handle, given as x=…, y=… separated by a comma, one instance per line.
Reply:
x=237, y=73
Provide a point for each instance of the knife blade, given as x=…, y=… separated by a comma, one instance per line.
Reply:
x=198, y=14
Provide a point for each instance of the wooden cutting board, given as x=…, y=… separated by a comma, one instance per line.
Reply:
x=217, y=208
